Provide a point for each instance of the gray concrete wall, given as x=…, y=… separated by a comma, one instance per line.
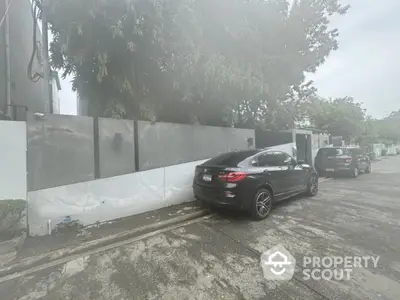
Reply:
x=266, y=139
x=23, y=91
x=116, y=147
x=60, y=150
x=61, y=166
x=304, y=148
x=82, y=106
x=165, y=144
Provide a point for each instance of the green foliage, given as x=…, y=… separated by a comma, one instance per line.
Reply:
x=369, y=134
x=210, y=62
x=381, y=131
x=14, y=207
x=340, y=117
x=345, y=117
x=12, y=218
x=388, y=128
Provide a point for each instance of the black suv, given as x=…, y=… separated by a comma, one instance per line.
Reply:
x=342, y=160
x=253, y=180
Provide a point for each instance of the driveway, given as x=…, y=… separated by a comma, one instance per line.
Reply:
x=219, y=257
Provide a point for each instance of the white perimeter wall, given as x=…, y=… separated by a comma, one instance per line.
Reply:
x=12, y=160
x=378, y=150
x=391, y=150
x=114, y=197
x=110, y=198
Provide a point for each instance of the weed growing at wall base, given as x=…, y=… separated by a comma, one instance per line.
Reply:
x=13, y=219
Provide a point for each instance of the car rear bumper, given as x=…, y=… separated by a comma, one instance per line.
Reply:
x=218, y=197
x=341, y=169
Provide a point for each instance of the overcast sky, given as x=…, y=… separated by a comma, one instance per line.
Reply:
x=366, y=66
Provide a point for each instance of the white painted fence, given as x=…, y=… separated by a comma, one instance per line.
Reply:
x=13, y=160
x=110, y=198
x=115, y=197
x=13, y=217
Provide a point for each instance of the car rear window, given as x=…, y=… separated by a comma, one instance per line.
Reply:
x=333, y=151
x=231, y=159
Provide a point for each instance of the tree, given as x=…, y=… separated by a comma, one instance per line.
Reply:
x=340, y=117
x=212, y=62
x=388, y=128
x=278, y=45
x=119, y=51
x=370, y=133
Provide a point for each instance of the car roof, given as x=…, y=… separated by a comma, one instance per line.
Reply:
x=340, y=147
x=255, y=151
x=267, y=149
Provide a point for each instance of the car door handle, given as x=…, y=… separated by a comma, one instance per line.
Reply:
x=267, y=172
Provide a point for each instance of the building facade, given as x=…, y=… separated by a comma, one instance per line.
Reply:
x=17, y=36
x=56, y=87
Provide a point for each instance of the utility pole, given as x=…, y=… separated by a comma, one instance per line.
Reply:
x=47, y=76
x=6, y=21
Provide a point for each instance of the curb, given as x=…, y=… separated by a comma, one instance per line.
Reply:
x=324, y=179
x=10, y=246
x=34, y=261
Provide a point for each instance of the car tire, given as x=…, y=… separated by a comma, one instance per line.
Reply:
x=354, y=172
x=261, y=205
x=368, y=169
x=312, y=186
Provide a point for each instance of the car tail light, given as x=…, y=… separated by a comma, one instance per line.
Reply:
x=233, y=176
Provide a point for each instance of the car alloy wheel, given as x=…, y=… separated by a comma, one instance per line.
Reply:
x=262, y=204
x=312, y=188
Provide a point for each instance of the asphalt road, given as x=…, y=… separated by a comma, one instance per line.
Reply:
x=219, y=258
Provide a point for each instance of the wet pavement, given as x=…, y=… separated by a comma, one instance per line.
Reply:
x=219, y=258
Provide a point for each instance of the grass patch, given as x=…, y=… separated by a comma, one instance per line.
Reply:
x=12, y=218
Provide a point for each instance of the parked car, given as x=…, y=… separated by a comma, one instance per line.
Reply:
x=253, y=180
x=342, y=160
